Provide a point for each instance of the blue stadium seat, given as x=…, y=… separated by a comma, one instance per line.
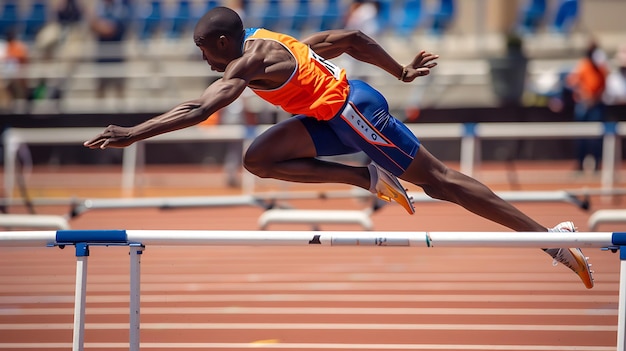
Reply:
x=35, y=20
x=385, y=8
x=332, y=15
x=208, y=5
x=442, y=17
x=150, y=22
x=566, y=16
x=9, y=18
x=410, y=17
x=532, y=15
x=300, y=18
x=271, y=16
x=181, y=20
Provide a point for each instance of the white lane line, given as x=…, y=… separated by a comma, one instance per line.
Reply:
x=176, y=277
x=317, y=286
x=16, y=311
x=313, y=298
x=319, y=346
x=313, y=326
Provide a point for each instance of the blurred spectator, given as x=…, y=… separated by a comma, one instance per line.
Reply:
x=55, y=34
x=363, y=15
x=69, y=12
x=109, y=24
x=14, y=59
x=509, y=73
x=588, y=82
x=615, y=93
x=508, y=78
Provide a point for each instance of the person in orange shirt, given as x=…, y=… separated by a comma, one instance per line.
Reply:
x=333, y=116
x=16, y=58
x=588, y=82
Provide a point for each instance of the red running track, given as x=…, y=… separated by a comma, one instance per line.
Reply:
x=313, y=298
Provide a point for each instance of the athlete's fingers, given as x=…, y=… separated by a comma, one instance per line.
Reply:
x=424, y=59
x=95, y=142
x=423, y=71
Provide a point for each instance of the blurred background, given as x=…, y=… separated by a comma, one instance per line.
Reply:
x=78, y=63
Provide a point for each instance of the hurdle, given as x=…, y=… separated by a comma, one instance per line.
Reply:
x=315, y=217
x=579, y=198
x=606, y=216
x=33, y=221
x=137, y=240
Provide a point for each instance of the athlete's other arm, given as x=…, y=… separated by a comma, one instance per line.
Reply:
x=332, y=43
x=218, y=95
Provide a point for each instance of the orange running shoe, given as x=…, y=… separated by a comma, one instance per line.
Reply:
x=572, y=258
x=388, y=188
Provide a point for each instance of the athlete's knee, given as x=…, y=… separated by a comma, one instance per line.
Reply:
x=439, y=184
x=254, y=162
x=257, y=161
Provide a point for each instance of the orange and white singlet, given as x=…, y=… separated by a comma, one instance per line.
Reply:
x=317, y=87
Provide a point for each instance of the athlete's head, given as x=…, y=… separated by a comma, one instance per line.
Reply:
x=219, y=34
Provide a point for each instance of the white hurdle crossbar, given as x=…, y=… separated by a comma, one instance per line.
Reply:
x=138, y=239
x=267, y=200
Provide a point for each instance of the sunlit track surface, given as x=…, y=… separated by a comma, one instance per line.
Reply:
x=312, y=298
x=301, y=298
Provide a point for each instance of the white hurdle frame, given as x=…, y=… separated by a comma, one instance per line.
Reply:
x=138, y=239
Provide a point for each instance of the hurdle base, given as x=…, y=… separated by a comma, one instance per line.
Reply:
x=316, y=217
x=80, y=295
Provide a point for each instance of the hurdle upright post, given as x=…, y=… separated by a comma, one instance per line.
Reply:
x=82, y=255
x=619, y=240
x=136, y=249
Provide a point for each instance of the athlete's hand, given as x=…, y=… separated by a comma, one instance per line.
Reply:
x=112, y=136
x=420, y=66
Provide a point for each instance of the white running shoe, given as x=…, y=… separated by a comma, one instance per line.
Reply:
x=389, y=188
x=572, y=258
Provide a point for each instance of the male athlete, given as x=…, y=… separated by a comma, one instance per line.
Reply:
x=333, y=116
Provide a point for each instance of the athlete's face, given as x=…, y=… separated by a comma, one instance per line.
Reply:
x=216, y=62
x=219, y=54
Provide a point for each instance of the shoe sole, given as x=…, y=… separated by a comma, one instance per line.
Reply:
x=580, y=259
x=401, y=198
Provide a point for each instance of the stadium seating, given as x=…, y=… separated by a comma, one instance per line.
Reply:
x=442, y=16
x=566, y=16
x=209, y=5
x=271, y=17
x=409, y=16
x=9, y=17
x=532, y=15
x=300, y=18
x=181, y=20
x=35, y=20
x=150, y=20
x=332, y=15
x=385, y=9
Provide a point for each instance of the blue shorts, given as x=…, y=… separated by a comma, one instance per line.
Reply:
x=365, y=125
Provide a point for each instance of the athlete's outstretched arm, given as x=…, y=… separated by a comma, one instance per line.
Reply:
x=219, y=94
x=332, y=43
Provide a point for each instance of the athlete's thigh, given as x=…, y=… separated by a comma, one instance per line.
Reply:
x=285, y=140
x=365, y=123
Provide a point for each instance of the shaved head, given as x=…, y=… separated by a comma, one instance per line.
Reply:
x=217, y=22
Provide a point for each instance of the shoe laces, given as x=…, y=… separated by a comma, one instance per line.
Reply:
x=559, y=257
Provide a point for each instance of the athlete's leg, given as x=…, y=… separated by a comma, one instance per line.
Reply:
x=287, y=151
x=441, y=182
